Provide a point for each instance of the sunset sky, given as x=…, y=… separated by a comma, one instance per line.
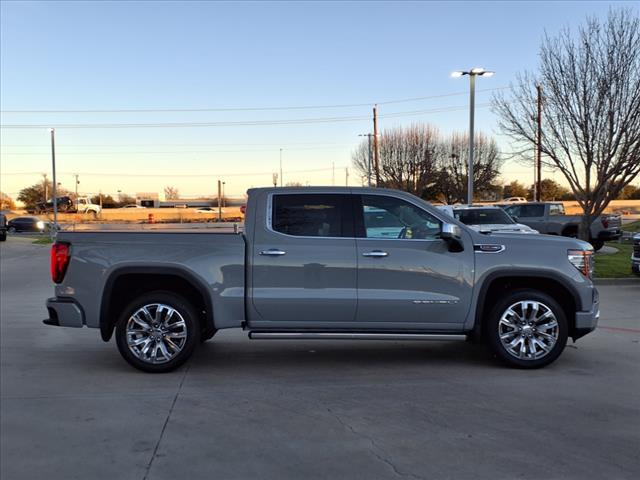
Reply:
x=256, y=60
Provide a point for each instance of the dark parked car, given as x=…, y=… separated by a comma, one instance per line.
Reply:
x=3, y=227
x=26, y=224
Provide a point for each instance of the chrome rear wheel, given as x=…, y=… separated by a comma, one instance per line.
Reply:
x=156, y=333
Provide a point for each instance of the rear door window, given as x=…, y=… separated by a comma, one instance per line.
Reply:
x=312, y=215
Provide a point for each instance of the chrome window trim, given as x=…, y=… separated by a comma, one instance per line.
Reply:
x=269, y=217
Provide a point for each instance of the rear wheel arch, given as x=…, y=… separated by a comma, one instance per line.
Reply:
x=499, y=283
x=128, y=283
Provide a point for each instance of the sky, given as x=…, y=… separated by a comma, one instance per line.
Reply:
x=247, y=63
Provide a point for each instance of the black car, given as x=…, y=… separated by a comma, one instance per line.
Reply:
x=3, y=227
x=26, y=224
x=65, y=204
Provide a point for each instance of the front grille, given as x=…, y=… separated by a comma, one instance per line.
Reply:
x=636, y=249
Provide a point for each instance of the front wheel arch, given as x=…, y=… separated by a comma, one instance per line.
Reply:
x=500, y=283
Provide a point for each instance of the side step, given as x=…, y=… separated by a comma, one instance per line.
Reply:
x=354, y=336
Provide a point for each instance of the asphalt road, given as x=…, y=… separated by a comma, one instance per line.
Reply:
x=241, y=409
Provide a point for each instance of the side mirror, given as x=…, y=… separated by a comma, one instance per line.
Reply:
x=451, y=234
x=450, y=231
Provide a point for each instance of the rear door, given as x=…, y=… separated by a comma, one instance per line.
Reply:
x=531, y=214
x=304, y=261
x=409, y=279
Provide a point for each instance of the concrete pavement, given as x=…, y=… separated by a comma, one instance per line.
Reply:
x=70, y=407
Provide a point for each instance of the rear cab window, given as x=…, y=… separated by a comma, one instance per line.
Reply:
x=312, y=215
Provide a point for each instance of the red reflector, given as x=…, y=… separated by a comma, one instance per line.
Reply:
x=243, y=209
x=605, y=222
x=59, y=260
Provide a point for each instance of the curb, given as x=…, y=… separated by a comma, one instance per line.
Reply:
x=616, y=281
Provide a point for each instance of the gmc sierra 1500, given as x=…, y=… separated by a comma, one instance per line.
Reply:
x=313, y=263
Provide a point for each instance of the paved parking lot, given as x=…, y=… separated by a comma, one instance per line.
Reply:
x=241, y=409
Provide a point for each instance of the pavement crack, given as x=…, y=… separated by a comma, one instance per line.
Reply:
x=166, y=422
x=375, y=448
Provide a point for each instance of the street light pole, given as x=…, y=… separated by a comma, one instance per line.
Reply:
x=55, y=183
x=472, y=108
x=473, y=73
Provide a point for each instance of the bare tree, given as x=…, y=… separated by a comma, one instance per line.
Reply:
x=407, y=157
x=171, y=193
x=453, y=167
x=591, y=114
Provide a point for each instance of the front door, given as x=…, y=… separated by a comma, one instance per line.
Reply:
x=407, y=275
x=304, y=262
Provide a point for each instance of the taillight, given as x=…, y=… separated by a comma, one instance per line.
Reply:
x=243, y=209
x=59, y=261
x=605, y=222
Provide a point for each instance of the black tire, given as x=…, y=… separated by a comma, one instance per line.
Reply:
x=596, y=244
x=3, y=236
x=493, y=329
x=192, y=329
x=12, y=230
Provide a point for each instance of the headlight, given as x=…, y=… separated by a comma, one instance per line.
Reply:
x=40, y=225
x=582, y=260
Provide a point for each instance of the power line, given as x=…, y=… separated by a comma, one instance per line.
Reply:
x=301, y=121
x=184, y=175
x=250, y=109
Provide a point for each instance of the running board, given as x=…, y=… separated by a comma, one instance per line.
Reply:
x=353, y=336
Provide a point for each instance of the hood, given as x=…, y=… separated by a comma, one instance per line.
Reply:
x=503, y=228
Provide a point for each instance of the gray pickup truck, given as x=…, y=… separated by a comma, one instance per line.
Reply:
x=315, y=263
x=550, y=218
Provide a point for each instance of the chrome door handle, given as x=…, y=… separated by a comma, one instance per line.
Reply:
x=273, y=252
x=375, y=254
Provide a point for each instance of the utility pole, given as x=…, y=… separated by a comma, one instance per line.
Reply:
x=223, y=198
x=219, y=202
x=346, y=177
x=280, y=167
x=376, y=146
x=55, y=184
x=539, y=146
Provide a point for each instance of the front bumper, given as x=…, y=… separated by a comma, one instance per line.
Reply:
x=64, y=312
x=635, y=266
x=587, y=322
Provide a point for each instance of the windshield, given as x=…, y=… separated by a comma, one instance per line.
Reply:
x=483, y=216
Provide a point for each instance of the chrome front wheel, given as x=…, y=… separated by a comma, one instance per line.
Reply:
x=528, y=330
